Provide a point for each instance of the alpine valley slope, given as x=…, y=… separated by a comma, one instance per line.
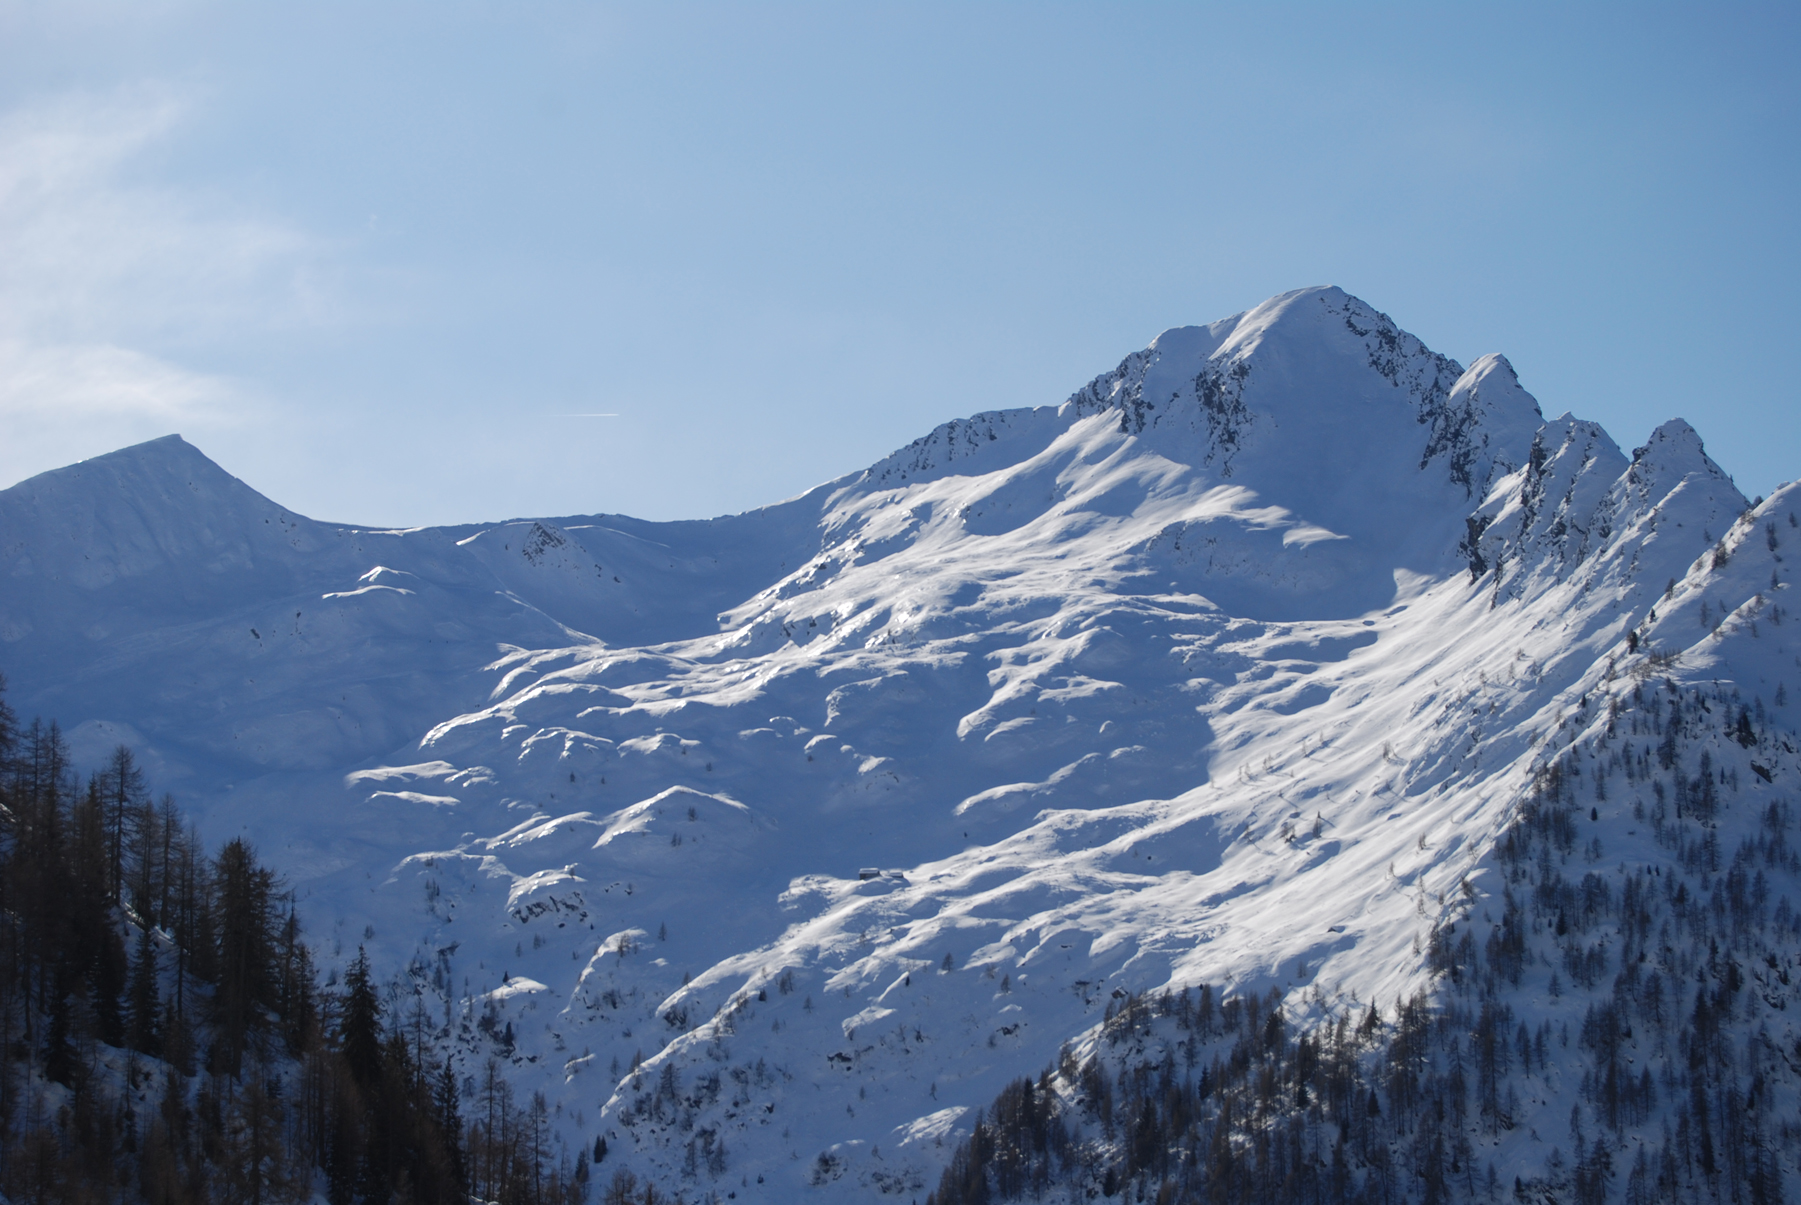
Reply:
x=1230, y=669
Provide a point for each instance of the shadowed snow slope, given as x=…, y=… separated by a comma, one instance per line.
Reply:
x=1229, y=667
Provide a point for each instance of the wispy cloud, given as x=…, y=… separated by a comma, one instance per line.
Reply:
x=105, y=268
x=44, y=387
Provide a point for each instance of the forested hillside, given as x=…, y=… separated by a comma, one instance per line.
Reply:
x=1610, y=1015
x=166, y=1039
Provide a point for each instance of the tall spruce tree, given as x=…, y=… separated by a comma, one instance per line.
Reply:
x=247, y=977
x=145, y=1009
x=359, y=1029
x=123, y=786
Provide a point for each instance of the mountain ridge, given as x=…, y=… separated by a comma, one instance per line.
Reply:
x=1238, y=661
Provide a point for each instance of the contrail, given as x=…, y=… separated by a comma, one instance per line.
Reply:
x=584, y=416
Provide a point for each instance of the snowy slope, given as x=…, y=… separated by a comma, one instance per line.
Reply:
x=1229, y=668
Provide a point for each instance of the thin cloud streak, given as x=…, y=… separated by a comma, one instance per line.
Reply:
x=99, y=268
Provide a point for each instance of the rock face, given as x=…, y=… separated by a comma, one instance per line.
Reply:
x=1230, y=668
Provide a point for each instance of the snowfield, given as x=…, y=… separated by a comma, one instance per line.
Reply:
x=802, y=832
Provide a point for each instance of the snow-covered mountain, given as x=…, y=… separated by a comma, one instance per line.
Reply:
x=805, y=831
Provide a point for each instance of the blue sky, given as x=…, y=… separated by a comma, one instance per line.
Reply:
x=371, y=257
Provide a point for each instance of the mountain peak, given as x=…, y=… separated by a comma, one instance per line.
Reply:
x=152, y=521
x=170, y=442
x=1674, y=442
x=832, y=820
x=142, y=470
x=1674, y=456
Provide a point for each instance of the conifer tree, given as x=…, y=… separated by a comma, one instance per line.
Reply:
x=145, y=1010
x=123, y=786
x=359, y=1030
x=246, y=981
x=449, y=1118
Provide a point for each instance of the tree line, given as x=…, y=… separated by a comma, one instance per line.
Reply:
x=164, y=1037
